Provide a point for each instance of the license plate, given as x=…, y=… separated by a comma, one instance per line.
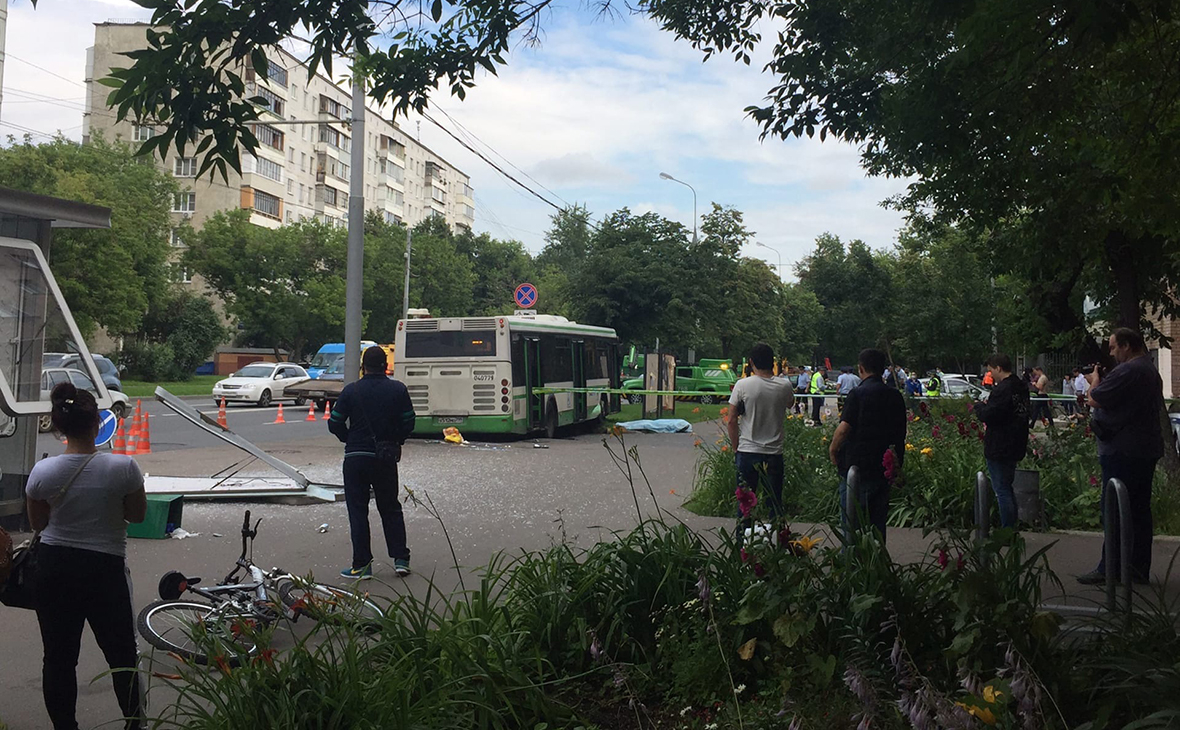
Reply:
x=452, y=419
x=316, y=394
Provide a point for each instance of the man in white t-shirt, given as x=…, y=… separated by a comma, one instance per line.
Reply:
x=758, y=407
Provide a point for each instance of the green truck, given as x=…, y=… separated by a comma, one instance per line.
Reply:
x=708, y=376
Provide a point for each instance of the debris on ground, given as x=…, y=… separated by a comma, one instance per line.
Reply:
x=540, y=446
x=180, y=533
x=322, y=528
x=451, y=435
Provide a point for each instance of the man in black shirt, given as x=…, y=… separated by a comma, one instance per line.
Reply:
x=374, y=410
x=1126, y=417
x=1006, y=414
x=871, y=437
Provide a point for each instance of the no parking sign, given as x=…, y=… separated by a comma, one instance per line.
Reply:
x=525, y=296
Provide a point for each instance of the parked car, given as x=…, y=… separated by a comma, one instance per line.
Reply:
x=261, y=383
x=958, y=386
x=53, y=359
x=709, y=377
x=50, y=377
x=106, y=369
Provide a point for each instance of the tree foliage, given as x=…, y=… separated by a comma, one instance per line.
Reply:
x=110, y=278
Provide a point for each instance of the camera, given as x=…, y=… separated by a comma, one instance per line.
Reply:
x=1086, y=370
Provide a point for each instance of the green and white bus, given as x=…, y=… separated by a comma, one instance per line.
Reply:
x=479, y=373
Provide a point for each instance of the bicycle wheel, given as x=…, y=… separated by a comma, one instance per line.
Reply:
x=189, y=629
x=329, y=603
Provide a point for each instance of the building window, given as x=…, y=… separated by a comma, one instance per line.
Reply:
x=269, y=136
x=334, y=108
x=267, y=99
x=438, y=195
x=276, y=74
x=333, y=137
x=291, y=154
x=467, y=191
x=290, y=190
x=468, y=212
x=184, y=203
x=331, y=196
x=176, y=242
x=268, y=205
x=185, y=167
x=301, y=189
x=180, y=274
x=269, y=169
x=142, y=134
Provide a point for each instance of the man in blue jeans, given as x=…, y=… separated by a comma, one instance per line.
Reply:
x=1006, y=414
x=758, y=408
x=873, y=422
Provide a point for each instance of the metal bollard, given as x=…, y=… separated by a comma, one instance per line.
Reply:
x=852, y=503
x=1117, y=505
x=983, y=516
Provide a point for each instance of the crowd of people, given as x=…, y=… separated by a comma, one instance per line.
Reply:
x=1124, y=405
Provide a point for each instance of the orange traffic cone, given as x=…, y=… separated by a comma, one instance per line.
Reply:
x=310, y=413
x=145, y=436
x=279, y=418
x=327, y=410
x=133, y=436
x=120, y=444
x=221, y=415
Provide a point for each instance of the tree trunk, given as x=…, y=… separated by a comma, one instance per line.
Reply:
x=1120, y=257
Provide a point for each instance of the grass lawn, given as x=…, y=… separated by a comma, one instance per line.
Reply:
x=689, y=411
x=197, y=385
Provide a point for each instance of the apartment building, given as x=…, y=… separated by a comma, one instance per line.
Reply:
x=300, y=170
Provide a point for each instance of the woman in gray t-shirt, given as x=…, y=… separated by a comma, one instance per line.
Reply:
x=81, y=502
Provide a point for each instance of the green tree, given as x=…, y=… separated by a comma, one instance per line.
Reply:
x=385, y=269
x=736, y=301
x=853, y=284
x=441, y=276
x=499, y=267
x=110, y=278
x=562, y=260
x=1058, y=119
x=190, y=328
x=801, y=317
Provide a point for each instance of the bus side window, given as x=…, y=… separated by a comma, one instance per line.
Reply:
x=518, y=378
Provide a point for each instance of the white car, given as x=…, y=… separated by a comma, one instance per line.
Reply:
x=50, y=377
x=261, y=383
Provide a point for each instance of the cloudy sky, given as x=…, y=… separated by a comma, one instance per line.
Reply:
x=593, y=115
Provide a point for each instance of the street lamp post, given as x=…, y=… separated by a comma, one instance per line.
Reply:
x=776, y=253
x=666, y=176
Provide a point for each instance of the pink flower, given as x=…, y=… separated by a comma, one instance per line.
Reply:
x=746, y=500
x=745, y=556
x=784, y=536
x=942, y=558
x=970, y=407
x=889, y=461
x=1093, y=481
x=948, y=418
x=936, y=432
x=962, y=431
x=759, y=570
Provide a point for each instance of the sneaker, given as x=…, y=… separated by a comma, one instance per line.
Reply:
x=401, y=566
x=1093, y=578
x=364, y=573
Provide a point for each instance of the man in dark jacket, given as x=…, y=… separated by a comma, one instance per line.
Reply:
x=873, y=423
x=375, y=409
x=1126, y=407
x=1006, y=414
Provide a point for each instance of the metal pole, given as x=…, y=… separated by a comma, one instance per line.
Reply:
x=694, y=212
x=982, y=507
x=1117, y=506
x=406, y=290
x=851, y=503
x=354, y=283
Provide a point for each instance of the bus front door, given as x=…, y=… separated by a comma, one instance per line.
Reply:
x=532, y=379
x=579, y=360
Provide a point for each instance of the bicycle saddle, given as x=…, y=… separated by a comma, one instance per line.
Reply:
x=174, y=583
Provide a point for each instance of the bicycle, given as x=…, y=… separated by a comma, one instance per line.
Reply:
x=236, y=608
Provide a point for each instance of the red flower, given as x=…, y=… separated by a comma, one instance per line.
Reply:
x=948, y=418
x=267, y=656
x=746, y=500
x=942, y=558
x=745, y=556
x=889, y=462
x=936, y=432
x=784, y=536
x=1093, y=481
x=759, y=570
x=960, y=562
x=962, y=431
x=970, y=407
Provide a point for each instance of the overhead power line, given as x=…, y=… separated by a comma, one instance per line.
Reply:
x=42, y=68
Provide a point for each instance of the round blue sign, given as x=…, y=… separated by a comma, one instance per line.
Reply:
x=525, y=296
x=107, y=425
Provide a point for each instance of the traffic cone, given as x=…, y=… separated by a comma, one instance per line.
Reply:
x=221, y=415
x=310, y=413
x=279, y=418
x=133, y=436
x=120, y=444
x=327, y=410
x=145, y=438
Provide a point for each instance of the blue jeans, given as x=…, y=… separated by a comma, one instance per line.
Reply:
x=1137, y=475
x=762, y=474
x=1002, y=474
x=874, y=504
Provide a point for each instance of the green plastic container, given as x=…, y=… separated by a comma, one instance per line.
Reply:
x=164, y=512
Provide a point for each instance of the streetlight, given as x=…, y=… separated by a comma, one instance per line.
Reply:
x=776, y=253
x=666, y=176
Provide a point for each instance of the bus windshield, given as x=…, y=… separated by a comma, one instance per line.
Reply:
x=432, y=345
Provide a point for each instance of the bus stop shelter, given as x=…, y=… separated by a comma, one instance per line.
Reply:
x=32, y=312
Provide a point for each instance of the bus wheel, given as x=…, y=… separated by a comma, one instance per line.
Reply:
x=708, y=400
x=551, y=419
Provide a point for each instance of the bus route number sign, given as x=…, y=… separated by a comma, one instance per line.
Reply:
x=525, y=296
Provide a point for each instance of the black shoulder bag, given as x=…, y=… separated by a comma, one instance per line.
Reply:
x=17, y=590
x=388, y=452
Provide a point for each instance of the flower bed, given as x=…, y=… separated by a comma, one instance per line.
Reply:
x=936, y=484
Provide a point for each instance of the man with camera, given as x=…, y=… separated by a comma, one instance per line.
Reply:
x=1125, y=406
